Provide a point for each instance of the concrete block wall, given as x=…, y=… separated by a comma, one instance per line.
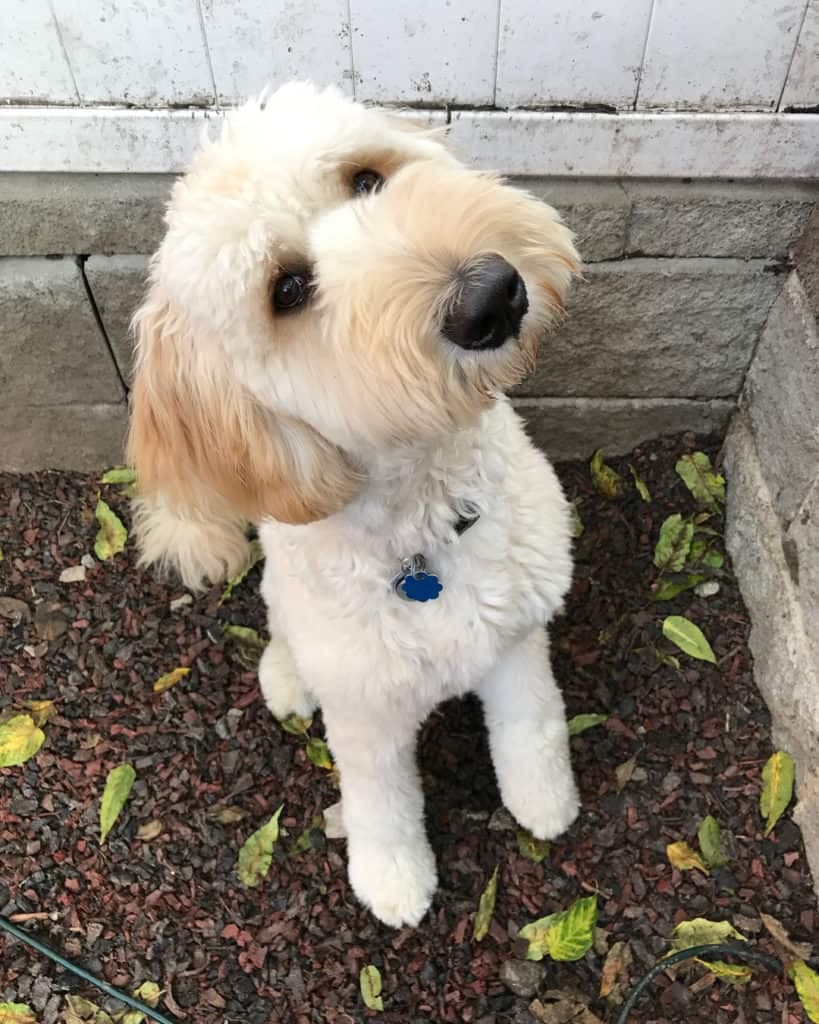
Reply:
x=772, y=462
x=678, y=284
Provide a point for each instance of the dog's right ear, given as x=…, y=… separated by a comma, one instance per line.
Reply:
x=210, y=459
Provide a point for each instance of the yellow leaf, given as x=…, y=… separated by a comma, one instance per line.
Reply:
x=701, y=932
x=777, y=788
x=150, y=830
x=16, y=1013
x=170, y=679
x=604, y=478
x=255, y=554
x=370, y=984
x=20, y=739
x=1, y=555
x=41, y=710
x=640, y=484
x=486, y=908
x=566, y=936
x=149, y=993
x=615, y=976
x=683, y=858
x=256, y=855
x=532, y=849
x=807, y=988
x=319, y=754
x=734, y=974
x=117, y=789
x=112, y=535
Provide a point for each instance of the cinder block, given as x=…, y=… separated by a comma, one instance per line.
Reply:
x=596, y=211
x=800, y=547
x=574, y=428
x=118, y=285
x=42, y=214
x=51, y=348
x=77, y=437
x=782, y=399
x=654, y=328
x=748, y=220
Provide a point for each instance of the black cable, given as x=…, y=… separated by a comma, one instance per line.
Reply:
x=740, y=951
x=103, y=986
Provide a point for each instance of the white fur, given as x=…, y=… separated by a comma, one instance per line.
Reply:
x=355, y=434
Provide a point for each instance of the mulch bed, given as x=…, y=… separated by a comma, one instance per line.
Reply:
x=172, y=909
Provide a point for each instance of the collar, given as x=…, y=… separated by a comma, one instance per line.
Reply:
x=413, y=582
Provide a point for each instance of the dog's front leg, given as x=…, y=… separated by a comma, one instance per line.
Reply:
x=391, y=864
x=529, y=738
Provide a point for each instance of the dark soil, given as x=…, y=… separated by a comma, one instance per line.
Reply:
x=172, y=909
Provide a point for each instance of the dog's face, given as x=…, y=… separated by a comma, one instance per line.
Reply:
x=333, y=282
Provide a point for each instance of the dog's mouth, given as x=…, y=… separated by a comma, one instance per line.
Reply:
x=488, y=306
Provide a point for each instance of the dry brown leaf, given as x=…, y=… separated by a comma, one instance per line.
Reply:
x=150, y=830
x=788, y=949
x=562, y=1008
x=17, y=611
x=615, y=979
x=624, y=772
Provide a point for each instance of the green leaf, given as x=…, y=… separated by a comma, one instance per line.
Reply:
x=683, y=858
x=696, y=473
x=778, y=777
x=16, y=1013
x=295, y=725
x=669, y=589
x=734, y=974
x=576, y=523
x=486, y=908
x=249, y=645
x=807, y=988
x=605, y=479
x=667, y=659
x=532, y=849
x=117, y=789
x=20, y=739
x=674, y=544
x=112, y=535
x=535, y=934
x=256, y=856
x=710, y=840
x=369, y=982
x=305, y=839
x=639, y=483
x=255, y=555
x=119, y=475
x=701, y=932
x=149, y=993
x=170, y=679
x=580, y=723
x=571, y=934
x=688, y=637
x=703, y=554
x=318, y=753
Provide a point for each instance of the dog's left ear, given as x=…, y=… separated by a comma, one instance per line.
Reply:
x=209, y=458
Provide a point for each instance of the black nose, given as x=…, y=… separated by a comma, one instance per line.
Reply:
x=489, y=306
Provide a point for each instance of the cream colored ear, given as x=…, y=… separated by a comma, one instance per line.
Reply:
x=210, y=459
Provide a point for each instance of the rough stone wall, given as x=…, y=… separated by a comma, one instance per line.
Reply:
x=678, y=284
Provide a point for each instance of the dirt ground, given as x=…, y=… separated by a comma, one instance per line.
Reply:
x=162, y=900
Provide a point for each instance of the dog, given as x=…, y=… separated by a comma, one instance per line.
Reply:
x=333, y=319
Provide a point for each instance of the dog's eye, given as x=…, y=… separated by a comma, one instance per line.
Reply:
x=290, y=291
x=367, y=181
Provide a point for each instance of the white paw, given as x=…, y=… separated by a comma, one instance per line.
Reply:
x=283, y=691
x=545, y=803
x=397, y=883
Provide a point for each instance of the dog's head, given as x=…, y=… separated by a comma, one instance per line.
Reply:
x=333, y=282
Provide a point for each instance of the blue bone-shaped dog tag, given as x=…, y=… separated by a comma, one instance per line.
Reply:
x=414, y=583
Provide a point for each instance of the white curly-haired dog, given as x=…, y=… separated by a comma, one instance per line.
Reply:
x=333, y=316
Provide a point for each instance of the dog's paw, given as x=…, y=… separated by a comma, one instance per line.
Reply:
x=283, y=691
x=396, y=883
x=544, y=804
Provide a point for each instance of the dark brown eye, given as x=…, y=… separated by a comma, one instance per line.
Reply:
x=290, y=291
x=366, y=182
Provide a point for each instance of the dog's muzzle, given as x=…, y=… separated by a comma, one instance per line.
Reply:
x=489, y=305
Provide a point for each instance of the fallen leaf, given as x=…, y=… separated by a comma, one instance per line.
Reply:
x=256, y=855
x=112, y=535
x=170, y=679
x=41, y=711
x=117, y=789
x=778, y=777
x=180, y=602
x=49, y=620
x=615, y=977
x=249, y=645
x=1, y=555
x=16, y=1013
x=580, y=723
x=73, y=574
x=83, y=1011
x=119, y=475
x=711, y=845
x=16, y=611
x=624, y=772
x=560, y=1008
x=295, y=725
x=668, y=589
x=674, y=544
x=688, y=637
x=701, y=932
x=532, y=849
x=707, y=487
x=576, y=523
x=369, y=982
x=150, y=830
x=226, y=815
x=305, y=839
x=683, y=858
x=639, y=483
x=486, y=908
x=334, y=822
x=565, y=936
x=667, y=659
x=149, y=993
x=787, y=948
x=318, y=753
x=606, y=481
x=807, y=988
x=735, y=974
x=703, y=554
x=255, y=554
x=20, y=739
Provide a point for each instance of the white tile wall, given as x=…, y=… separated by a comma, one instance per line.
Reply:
x=33, y=66
x=802, y=87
